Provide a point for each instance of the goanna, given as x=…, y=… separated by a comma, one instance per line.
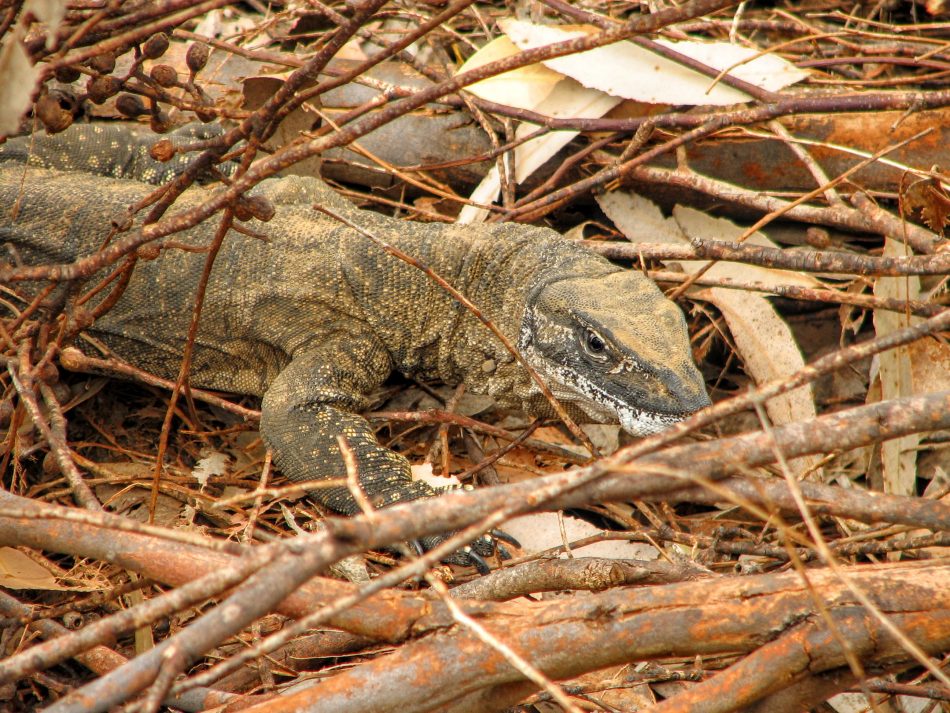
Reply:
x=315, y=317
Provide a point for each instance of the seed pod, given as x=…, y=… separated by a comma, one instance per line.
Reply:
x=52, y=114
x=162, y=150
x=260, y=207
x=155, y=46
x=197, y=57
x=149, y=251
x=205, y=117
x=103, y=63
x=241, y=211
x=66, y=75
x=160, y=123
x=817, y=237
x=50, y=466
x=164, y=75
x=130, y=105
x=102, y=88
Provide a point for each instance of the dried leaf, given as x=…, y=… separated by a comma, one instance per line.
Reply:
x=929, y=365
x=259, y=89
x=542, y=531
x=640, y=220
x=768, y=349
x=849, y=703
x=17, y=571
x=523, y=88
x=552, y=435
x=133, y=501
x=604, y=436
x=895, y=375
x=50, y=12
x=17, y=80
x=930, y=198
x=694, y=223
x=632, y=72
x=214, y=463
x=538, y=89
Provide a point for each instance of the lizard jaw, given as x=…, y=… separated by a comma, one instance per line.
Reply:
x=569, y=386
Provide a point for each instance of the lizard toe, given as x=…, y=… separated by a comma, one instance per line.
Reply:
x=477, y=560
x=505, y=537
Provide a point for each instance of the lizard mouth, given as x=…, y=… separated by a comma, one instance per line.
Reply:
x=645, y=423
x=603, y=407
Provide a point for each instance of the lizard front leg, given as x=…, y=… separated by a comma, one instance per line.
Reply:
x=313, y=400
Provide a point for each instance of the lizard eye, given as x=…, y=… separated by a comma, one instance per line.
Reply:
x=594, y=345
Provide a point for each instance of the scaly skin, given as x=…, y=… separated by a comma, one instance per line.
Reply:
x=316, y=317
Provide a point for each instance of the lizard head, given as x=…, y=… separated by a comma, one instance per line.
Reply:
x=614, y=347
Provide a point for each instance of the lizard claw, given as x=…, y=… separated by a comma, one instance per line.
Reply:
x=505, y=537
x=476, y=560
x=473, y=555
x=485, y=546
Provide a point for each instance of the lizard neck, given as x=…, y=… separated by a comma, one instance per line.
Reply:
x=504, y=272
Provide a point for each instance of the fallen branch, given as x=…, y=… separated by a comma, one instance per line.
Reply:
x=455, y=671
x=794, y=260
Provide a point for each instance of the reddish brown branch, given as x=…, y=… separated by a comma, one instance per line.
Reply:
x=807, y=294
x=74, y=360
x=101, y=660
x=455, y=671
x=795, y=260
x=808, y=650
x=177, y=563
x=53, y=428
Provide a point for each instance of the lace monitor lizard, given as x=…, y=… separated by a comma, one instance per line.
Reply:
x=316, y=317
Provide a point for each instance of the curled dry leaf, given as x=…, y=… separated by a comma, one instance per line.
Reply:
x=589, y=84
x=211, y=464
x=525, y=87
x=929, y=197
x=537, y=89
x=632, y=72
x=542, y=531
x=895, y=376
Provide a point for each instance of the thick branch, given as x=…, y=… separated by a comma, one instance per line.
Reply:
x=707, y=618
